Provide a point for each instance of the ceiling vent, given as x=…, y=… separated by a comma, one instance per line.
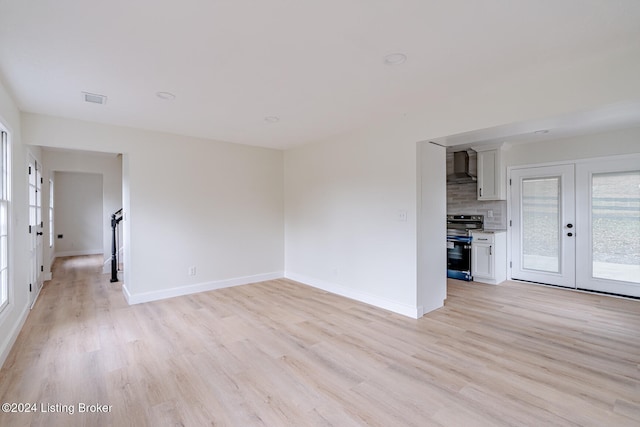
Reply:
x=94, y=98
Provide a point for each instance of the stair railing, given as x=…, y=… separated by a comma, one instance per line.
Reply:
x=115, y=220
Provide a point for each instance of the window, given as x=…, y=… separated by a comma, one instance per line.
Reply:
x=4, y=220
x=50, y=213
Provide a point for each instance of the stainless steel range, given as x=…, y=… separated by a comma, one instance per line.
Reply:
x=459, y=238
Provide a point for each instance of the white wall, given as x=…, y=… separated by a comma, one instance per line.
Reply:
x=109, y=166
x=342, y=228
x=432, y=224
x=78, y=213
x=344, y=232
x=188, y=202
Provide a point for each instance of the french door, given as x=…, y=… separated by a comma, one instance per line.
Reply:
x=609, y=206
x=543, y=225
x=578, y=225
x=35, y=229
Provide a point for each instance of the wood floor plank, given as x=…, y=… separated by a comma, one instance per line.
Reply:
x=280, y=353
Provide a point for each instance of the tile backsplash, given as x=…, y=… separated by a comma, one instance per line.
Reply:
x=462, y=199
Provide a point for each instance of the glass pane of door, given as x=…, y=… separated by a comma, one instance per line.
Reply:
x=615, y=227
x=541, y=224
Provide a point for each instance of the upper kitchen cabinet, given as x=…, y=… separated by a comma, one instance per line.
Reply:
x=491, y=173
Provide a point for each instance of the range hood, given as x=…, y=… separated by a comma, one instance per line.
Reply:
x=461, y=168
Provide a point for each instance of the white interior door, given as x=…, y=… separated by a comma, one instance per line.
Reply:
x=35, y=229
x=608, y=254
x=543, y=225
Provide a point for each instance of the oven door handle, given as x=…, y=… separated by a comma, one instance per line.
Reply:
x=458, y=239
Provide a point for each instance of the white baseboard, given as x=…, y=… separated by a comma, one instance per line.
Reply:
x=404, y=309
x=422, y=310
x=196, y=288
x=80, y=253
x=106, y=267
x=13, y=335
x=127, y=294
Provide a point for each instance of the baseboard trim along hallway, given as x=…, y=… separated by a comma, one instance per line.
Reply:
x=196, y=288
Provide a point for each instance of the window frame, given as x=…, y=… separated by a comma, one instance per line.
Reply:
x=5, y=218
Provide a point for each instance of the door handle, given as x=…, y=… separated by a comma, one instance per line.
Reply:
x=569, y=234
x=490, y=252
x=39, y=233
x=569, y=225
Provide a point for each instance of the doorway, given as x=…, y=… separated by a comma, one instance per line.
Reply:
x=577, y=225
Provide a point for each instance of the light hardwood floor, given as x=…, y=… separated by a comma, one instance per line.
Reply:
x=280, y=353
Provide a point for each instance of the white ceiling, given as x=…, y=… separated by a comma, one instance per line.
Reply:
x=317, y=65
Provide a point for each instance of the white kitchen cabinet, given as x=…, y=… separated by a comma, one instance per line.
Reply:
x=482, y=258
x=489, y=256
x=491, y=174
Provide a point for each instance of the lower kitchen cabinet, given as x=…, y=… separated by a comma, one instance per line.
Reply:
x=489, y=257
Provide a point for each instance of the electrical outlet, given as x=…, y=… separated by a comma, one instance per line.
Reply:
x=490, y=214
x=192, y=271
x=402, y=215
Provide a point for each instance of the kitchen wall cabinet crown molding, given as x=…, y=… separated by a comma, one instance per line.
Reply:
x=492, y=183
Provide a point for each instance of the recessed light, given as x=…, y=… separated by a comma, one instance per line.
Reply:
x=541, y=131
x=167, y=96
x=395, y=59
x=272, y=119
x=94, y=98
